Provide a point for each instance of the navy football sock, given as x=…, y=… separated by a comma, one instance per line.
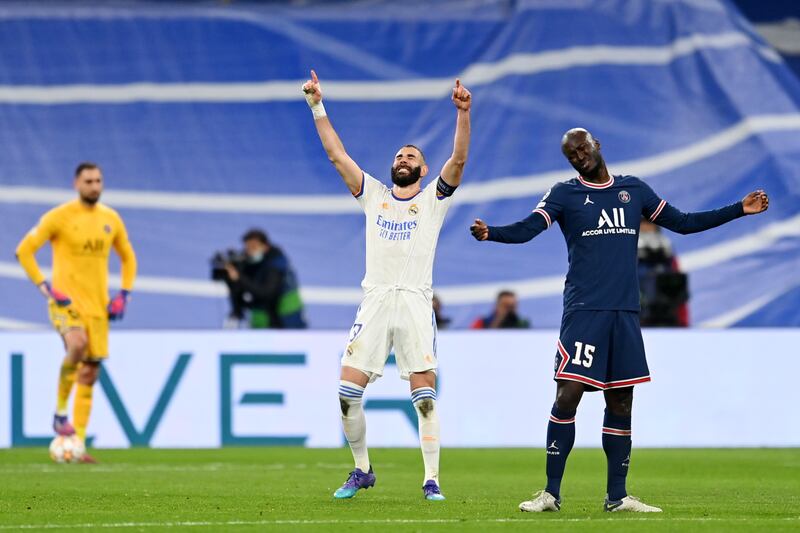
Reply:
x=560, y=438
x=617, y=445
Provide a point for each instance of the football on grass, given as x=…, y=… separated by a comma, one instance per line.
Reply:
x=66, y=449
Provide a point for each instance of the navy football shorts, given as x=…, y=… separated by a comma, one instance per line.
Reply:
x=601, y=349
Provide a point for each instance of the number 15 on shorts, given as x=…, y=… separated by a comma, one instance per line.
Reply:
x=584, y=354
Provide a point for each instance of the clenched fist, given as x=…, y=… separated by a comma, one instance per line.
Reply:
x=755, y=202
x=479, y=230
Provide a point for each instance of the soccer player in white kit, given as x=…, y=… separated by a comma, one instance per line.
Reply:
x=402, y=227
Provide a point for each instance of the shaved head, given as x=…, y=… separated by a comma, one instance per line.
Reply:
x=582, y=151
x=574, y=133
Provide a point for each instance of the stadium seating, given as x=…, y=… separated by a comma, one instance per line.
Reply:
x=196, y=116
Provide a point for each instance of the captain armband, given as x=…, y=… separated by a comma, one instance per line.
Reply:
x=444, y=189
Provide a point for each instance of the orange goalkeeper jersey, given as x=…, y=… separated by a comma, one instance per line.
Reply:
x=81, y=237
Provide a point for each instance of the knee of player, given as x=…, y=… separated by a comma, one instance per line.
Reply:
x=88, y=373
x=568, y=398
x=623, y=407
x=344, y=405
x=425, y=407
x=350, y=394
x=78, y=347
x=424, y=400
x=620, y=401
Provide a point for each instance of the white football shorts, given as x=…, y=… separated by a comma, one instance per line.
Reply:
x=393, y=318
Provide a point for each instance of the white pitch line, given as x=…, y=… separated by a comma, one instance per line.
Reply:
x=387, y=521
x=521, y=64
x=137, y=468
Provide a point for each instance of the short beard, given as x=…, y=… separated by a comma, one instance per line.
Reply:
x=404, y=181
x=90, y=201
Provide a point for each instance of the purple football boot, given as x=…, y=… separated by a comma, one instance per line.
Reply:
x=357, y=480
x=62, y=426
x=431, y=491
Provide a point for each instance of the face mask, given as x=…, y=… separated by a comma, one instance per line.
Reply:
x=256, y=257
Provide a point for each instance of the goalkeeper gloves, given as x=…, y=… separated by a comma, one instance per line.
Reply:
x=116, y=307
x=61, y=299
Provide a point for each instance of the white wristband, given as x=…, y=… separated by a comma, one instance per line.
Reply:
x=318, y=110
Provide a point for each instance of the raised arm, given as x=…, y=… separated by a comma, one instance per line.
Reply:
x=453, y=168
x=671, y=218
x=345, y=166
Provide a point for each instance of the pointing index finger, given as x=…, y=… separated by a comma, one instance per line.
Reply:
x=314, y=76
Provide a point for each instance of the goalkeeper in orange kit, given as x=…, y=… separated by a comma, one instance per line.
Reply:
x=81, y=233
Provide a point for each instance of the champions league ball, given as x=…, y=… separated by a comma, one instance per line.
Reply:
x=67, y=449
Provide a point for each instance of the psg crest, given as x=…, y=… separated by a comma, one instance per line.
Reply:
x=624, y=197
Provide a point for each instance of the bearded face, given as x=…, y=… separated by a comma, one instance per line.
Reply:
x=404, y=174
x=89, y=185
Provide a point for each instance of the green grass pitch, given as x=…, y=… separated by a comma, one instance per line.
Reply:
x=268, y=489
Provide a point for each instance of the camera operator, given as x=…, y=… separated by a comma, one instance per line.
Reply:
x=261, y=281
x=504, y=316
x=663, y=288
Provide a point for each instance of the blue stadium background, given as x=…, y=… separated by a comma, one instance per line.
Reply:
x=194, y=112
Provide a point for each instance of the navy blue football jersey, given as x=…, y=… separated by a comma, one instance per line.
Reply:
x=600, y=224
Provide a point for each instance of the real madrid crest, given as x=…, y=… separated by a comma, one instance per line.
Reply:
x=624, y=197
x=413, y=210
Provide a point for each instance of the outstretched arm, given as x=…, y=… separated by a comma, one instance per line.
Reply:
x=453, y=168
x=515, y=233
x=671, y=218
x=345, y=166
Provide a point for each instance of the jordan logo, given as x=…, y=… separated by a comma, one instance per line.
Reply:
x=627, y=462
x=588, y=201
x=553, y=449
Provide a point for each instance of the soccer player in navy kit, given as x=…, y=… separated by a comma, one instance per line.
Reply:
x=600, y=344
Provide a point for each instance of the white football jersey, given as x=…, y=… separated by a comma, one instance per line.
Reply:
x=401, y=235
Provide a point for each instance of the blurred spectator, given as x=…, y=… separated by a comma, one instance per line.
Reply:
x=442, y=322
x=504, y=316
x=262, y=285
x=663, y=288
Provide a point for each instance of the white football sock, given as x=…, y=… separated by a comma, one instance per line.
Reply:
x=354, y=422
x=424, y=400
